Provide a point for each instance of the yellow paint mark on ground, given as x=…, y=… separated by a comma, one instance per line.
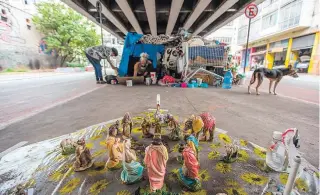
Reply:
x=70, y=186
x=253, y=178
x=204, y=175
x=213, y=155
x=223, y=167
x=98, y=187
x=225, y=138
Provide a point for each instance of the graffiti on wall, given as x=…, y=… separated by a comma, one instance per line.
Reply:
x=9, y=27
x=15, y=56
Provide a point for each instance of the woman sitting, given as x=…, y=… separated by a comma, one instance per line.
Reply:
x=142, y=67
x=132, y=170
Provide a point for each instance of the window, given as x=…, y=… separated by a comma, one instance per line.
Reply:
x=255, y=29
x=226, y=40
x=242, y=35
x=290, y=15
x=269, y=20
x=26, y=2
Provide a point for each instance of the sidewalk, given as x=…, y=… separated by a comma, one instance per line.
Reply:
x=305, y=88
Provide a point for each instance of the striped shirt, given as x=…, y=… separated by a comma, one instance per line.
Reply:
x=99, y=52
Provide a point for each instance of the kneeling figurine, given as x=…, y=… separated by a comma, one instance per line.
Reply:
x=188, y=174
x=145, y=126
x=83, y=156
x=174, y=127
x=115, y=127
x=127, y=125
x=132, y=170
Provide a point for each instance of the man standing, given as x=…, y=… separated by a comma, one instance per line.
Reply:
x=95, y=54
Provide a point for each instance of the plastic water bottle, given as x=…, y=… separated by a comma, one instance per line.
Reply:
x=227, y=80
x=276, y=154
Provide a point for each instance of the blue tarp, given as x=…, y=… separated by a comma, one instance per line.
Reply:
x=130, y=48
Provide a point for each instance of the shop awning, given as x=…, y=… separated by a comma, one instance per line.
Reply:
x=277, y=49
x=258, y=53
x=304, y=42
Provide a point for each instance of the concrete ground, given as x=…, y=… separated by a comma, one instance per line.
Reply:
x=250, y=117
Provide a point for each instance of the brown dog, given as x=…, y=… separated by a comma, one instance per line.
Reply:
x=274, y=75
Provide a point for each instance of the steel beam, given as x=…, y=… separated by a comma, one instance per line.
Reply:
x=90, y=17
x=150, y=7
x=107, y=13
x=222, y=9
x=174, y=13
x=200, y=7
x=126, y=9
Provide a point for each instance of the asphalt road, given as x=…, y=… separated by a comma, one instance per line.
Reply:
x=23, y=95
x=249, y=117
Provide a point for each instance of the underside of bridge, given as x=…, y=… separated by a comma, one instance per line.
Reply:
x=199, y=17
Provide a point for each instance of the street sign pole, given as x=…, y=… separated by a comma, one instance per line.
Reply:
x=246, y=53
x=251, y=11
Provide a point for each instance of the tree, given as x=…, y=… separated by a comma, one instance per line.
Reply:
x=65, y=31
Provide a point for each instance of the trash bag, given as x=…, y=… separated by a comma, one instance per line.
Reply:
x=109, y=78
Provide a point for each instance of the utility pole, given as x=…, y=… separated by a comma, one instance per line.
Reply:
x=99, y=8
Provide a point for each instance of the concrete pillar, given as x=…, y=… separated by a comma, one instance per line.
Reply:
x=269, y=57
x=288, y=55
x=314, y=60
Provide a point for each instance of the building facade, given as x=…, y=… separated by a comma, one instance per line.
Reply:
x=227, y=34
x=283, y=32
x=20, y=43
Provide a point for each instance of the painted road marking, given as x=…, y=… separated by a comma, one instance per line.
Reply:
x=42, y=109
x=7, y=151
x=151, y=109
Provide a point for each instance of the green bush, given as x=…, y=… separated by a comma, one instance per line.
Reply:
x=74, y=65
x=15, y=70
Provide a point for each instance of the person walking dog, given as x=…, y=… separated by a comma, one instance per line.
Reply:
x=95, y=54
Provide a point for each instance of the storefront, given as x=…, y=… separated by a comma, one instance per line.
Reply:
x=257, y=56
x=278, y=50
x=302, y=51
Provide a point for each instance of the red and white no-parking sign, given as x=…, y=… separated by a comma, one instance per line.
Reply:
x=251, y=10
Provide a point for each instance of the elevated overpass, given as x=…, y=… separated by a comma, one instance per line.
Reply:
x=199, y=17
